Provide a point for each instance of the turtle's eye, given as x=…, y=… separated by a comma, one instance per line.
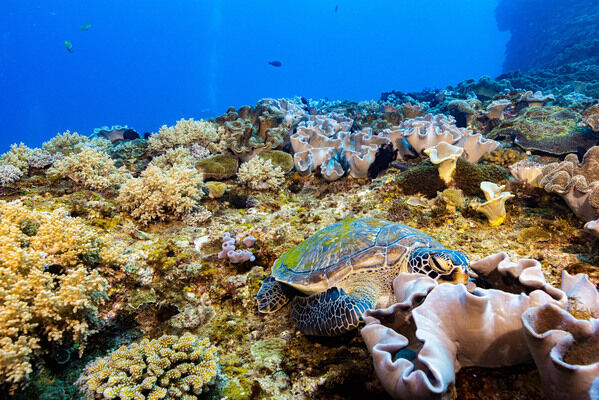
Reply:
x=440, y=264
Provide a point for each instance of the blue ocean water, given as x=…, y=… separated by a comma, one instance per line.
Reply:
x=150, y=63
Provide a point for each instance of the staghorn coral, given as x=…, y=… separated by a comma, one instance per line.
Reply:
x=65, y=143
x=577, y=183
x=187, y=133
x=17, y=156
x=159, y=193
x=260, y=174
x=9, y=174
x=169, y=367
x=46, y=294
x=90, y=168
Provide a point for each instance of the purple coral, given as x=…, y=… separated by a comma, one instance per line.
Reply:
x=236, y=256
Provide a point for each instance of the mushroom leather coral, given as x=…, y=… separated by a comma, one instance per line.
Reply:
x=418, y=344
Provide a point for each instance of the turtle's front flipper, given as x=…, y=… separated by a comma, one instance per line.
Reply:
x=273, y=295
x=329, y=313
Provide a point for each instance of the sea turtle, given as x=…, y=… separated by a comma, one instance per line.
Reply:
x=349, y=267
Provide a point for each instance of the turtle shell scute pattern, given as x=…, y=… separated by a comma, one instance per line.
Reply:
x=345, y=244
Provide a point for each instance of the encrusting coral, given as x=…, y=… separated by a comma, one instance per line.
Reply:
x=160, y=193
x=170, y=367
x=46, y=293
x=90, y=168
x=260, y=174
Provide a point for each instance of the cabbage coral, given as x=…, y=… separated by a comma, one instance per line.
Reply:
x=162, y=192
x=46, y=293
x=169, y=367
x=90, y=168
x=189, y=132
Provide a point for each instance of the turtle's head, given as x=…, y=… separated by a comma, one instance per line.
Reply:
x=441, y=264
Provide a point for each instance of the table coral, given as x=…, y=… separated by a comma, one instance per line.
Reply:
x=169, y=367
x=45, y=291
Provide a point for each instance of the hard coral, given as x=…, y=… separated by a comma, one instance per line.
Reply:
x=46, y=293
x=160, y=193
x=165, y=368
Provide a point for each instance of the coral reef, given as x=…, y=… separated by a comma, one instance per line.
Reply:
x=445, y=157
x=260, y=174
x=187, y=133
x=48, y=294
x=167, y=367
x=577, y=183
x=527, y=172
x=417, y=344
x=9, y=174
x=65, y=143
x=158, y=194
x=494, y=207
x=17, y=156
x=218, y=167
x=90, y=168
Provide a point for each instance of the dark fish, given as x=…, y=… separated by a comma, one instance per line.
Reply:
x=336, y=7
x=275, y=63
x=69, y=46
x=85, y=27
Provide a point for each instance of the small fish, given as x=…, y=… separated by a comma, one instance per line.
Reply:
x=275, y=63
x=85, y=27
x=336, y=7
x=69, y=46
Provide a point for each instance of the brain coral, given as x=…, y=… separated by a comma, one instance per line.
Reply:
x=169, y=367
x=46, y=294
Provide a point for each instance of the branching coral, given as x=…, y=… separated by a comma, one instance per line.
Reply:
x=89, y=168
x=165, y=368
x=260, y=174
x=189, y=132
x=9, y=174
x=17, y=156
x=159, y=193
x=45, y=291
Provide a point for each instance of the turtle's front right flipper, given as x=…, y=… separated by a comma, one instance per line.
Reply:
x=273, y=295
x=329, y=313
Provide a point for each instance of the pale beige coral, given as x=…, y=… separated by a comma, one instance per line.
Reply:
x=90, y=168
x=176, y=155
x=189, y=132
x=65, y=143
x=260, y=174
x=445, y=157
x=17, y=156
x=527, y=172
x=36, y=304
x=168, y=367
x=159, y=193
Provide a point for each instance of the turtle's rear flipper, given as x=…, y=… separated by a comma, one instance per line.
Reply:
x=329, y=313
x=273, y=295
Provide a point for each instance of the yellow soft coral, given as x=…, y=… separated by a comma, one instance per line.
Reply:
x=38, y=303
x=162, y=192
x=187, y=133
x=165, y=368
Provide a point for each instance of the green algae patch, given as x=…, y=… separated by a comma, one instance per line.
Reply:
x=268, y=349
x=218, y=167
x=533, y=234
x=279, y=159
